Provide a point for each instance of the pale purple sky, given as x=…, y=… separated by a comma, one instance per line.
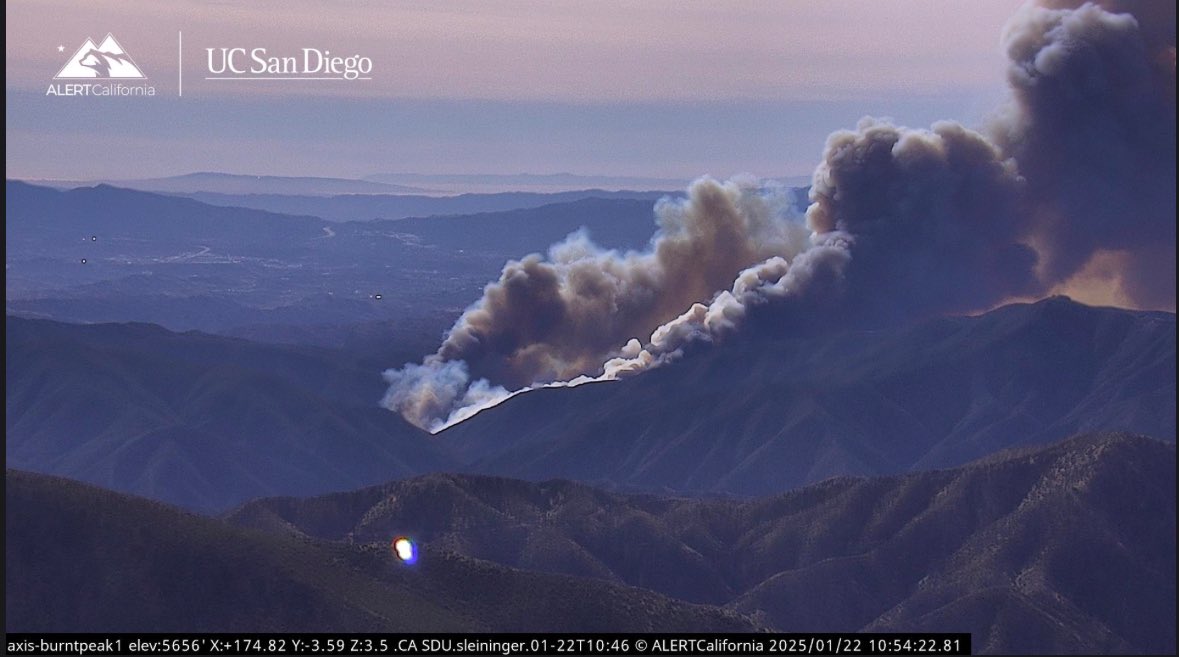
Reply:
x=643, y=88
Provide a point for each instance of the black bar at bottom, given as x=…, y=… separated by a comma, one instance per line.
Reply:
x=488, y=644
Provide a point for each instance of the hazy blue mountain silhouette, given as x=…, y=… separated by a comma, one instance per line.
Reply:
x=366, y=207
x=42, y=213
x=39, y=214
x=617, y=223
x=516, y=181
x=213, y=182
x=108, y=254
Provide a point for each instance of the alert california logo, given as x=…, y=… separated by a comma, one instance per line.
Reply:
x=104, y=70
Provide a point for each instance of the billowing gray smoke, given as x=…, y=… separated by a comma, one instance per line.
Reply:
x=556, y=317
x=1092, y=126
x=903, y=223
x=935, y=216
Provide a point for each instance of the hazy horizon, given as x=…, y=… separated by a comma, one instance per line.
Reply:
x=521, y=87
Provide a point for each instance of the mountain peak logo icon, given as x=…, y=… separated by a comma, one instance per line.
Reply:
x=106, y=60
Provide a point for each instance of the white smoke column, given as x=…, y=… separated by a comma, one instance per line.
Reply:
x=818, y=270
x=429, y=393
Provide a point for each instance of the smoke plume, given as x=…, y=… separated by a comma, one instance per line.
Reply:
x=1078, y=167
x=555, y=317
x=1092, y=126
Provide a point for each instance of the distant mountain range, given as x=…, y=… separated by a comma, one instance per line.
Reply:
x=37, y=214
x=367, y=207
x=229, y=183
x=110, y=254
x=766, y=414
x=207, y=422
x=528, y=182
x=79, y=558
x=617, y=223
x=40, y=217
x=436, y=185
x=1061, y=549
x=488, y=182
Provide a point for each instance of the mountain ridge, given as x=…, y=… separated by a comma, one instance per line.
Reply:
x=944, y=550
x=761, y=415
x=80, y=558
x=179, y=416
x=195, y=419
x=213, y=181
